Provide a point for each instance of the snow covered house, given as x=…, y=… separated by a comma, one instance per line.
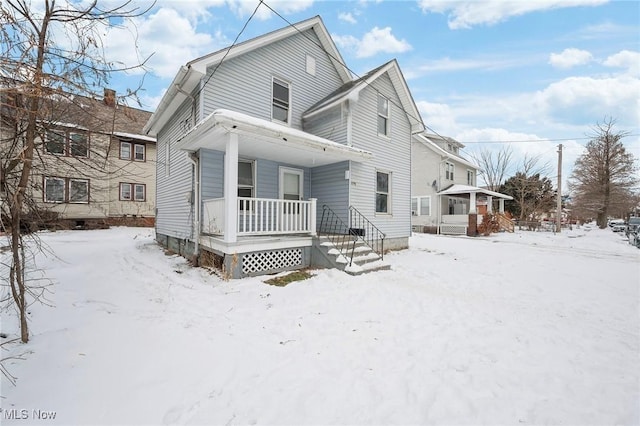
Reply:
x=444, y=195
x=271, y=156
x=93, y=166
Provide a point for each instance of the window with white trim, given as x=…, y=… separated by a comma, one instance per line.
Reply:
x=66, y=190
x=383, y=115
x=421, y=206
x=470, y=176
x=246, y=182
x=383, y=192
x=280, y=100
x=449, y=168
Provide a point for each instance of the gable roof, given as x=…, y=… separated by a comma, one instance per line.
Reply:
x=189, y=75
x=352, y=89
x=467, y=189
x=426, y=141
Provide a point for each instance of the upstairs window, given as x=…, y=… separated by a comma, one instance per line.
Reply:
x=132, y=151
x=383, y=116
x=281, y=95
x=61, y=142
x=449, y=168
x=470, y=175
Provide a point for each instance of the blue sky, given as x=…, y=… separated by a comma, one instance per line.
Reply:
x=531, y=74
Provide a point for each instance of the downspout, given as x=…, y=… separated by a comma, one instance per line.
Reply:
x=195, y=161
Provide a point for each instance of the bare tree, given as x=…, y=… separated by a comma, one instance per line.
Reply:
x=604, y=175
x=493, y=166
x=531, y=191
x=50, y=51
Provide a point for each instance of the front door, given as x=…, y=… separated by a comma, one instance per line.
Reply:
x=291, y=188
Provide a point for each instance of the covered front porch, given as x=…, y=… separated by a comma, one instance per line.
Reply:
x=463, y=207
x=271, y=214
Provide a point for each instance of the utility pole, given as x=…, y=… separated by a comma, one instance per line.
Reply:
x=559, y=200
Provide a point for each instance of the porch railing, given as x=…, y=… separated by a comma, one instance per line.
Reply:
x=367, y=231
x=261, y=216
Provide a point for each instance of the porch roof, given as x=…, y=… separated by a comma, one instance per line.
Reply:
x=467, y=189
x=264, y=139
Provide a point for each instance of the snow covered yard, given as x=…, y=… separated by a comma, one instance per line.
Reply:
x=524, y=328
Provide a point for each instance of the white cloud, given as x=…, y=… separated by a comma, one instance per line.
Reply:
x=466, y=14
x=569, y=58
x=590, y=99
x=375, y=41
x=171, y=38
x=438, y=117
x=347, y=17
x=626, y=59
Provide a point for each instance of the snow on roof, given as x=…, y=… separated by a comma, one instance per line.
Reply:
x=467, y=189
x=135, y=136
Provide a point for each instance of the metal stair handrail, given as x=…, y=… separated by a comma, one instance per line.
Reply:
x=366, y=231
x=338, y=233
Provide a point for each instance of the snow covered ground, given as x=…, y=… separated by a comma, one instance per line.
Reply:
x=511, y=329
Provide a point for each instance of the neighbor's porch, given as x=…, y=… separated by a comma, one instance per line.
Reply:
x=459, y=204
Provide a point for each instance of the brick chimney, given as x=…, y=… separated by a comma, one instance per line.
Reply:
x=109, y=97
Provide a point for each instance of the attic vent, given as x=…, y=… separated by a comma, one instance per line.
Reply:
x=311, y=65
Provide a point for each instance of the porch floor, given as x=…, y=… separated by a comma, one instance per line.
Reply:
x=246, y=244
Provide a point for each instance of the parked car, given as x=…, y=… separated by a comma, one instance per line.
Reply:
x=617, y=225
x=632, y=226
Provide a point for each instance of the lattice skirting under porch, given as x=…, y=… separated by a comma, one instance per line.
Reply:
x=270, y=260
x=449, y=229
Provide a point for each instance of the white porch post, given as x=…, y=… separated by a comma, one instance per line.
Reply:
x=472, y=203
x=501, y=207
x=489, y=204
x=312, y=216
x=231, y=189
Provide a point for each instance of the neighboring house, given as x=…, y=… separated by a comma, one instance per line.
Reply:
x=443, y=188
x=93, y=166
x=265, y=145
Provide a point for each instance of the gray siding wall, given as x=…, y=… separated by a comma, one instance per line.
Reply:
x=330, y=125
x=174, y=183
x=391, y=155
x=243, y=83
x=211, y=175
x=331, y=188
x=425, y=168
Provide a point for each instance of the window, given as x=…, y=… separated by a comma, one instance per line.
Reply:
x=54, y=190
x=421, y=206
x=383, y=116
x=78, y=144
x=138, y=153
x=449, y=168
x=125, y=150
x=383, y=194
x=132, y=192
x=280, y=100
x=78, y=191
x=66, y=190
x=245, y=183
x=54, y=143
x=60, y=142
x=470, y=177
x=125, y=191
